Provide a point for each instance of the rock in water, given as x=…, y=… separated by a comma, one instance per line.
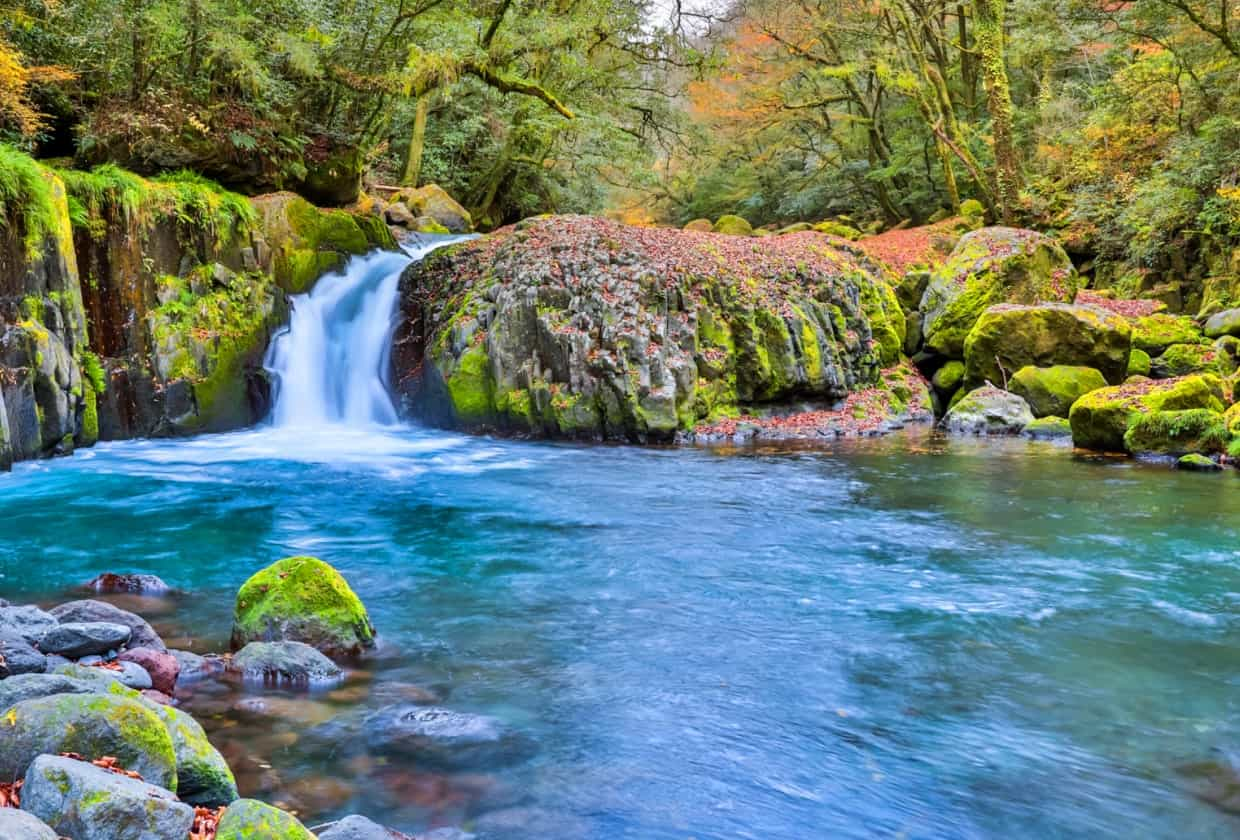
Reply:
x=1050, y=391
x=92, y=725
x=1192, y=431
x=19, y=825
x=991, y=266
x=1101, y=418
x=163, y=668
x=302, y=599
x=141, y=633
x=988, y=411
x=249, y=819
x=78, y=639
x=1198, y=463
x=444, y=737
x=284, y=663
x=203, y=776
x=89, y=803
x=580, y=327
x=1049, y=428
x=357, y=827
x=132, y=584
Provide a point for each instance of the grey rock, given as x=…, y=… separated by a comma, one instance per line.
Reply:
x=357, y=827
x=30, y=621
x=133, y=675
x=18, y=825
x=17, y=656
x=445, y=737
x=1223, y=323
x=203, y=776
x=92, y=725
x=284, y=663
x=988, y=411
x=76, y=639
x=141, y=633
x=249, y=818
x=86, y=802
x=195, y=667
x=29, y=686
x=134, y=584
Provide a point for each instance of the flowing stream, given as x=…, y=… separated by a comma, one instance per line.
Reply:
x=906, y=637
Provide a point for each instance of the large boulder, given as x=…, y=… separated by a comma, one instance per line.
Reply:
x=284, y=664
x=581, y=327
x=988, y=411
x=987, y=267
x=91, y=725
x=29, y=686
x=203, y=776
x=1183, y=359
x=1101, y=418
x=249, y=819
x=1223, y=323
x=733, y=226
x=432, y=201
x=20, y=825
x=1008, y=337
x=1050, y=391
x=141, y=633
x=1155, y=333
x=86, y=802
x=1194, y=430
x=302, y=599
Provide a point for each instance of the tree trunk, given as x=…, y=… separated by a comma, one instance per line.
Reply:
x=989, y=35
x=417, y=139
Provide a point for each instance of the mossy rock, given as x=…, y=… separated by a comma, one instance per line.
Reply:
x=988, y=411
x=1009, y=337
x=433, y=200
x=203, y=776
x=1101, y=418
x=1232, y=418
x=1195, y=430
x=1183, y=359
x=1051, y=391
x=302, y=599
x=733, y=226
x=700, y=226
x=948, y=378
x=1198, y=463
x=1223, y=323
x=1049, y=428
x=249, y=819
x=92, y=725
x=988, y=267
x=797, y=227
x=1138, y=363
x=1155, y=333
x=834, y=228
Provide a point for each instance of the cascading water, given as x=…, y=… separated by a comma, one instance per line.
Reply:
x=331, y=363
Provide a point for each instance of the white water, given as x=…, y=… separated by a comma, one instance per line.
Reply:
x=331, y=364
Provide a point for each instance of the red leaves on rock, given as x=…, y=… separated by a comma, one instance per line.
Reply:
x=11, y=794
x=1126, y=308
x=907, y=248
x=206, y=823
x=107, y=762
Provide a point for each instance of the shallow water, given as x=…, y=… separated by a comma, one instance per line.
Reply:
x=901, y=637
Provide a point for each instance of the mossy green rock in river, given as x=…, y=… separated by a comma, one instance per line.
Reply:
x=302, y=599
x=92, y=725
x=1009, y=337
x=1194, y=430
x=1155, y=333
x=1051, y=391
x=1198, y=463
x=581, y=327
x=988, y=267
x=1048, y=428
x=85, y=802
x=1183, y=359
x=203, y=776
x=1101, y=418
x=249, y=819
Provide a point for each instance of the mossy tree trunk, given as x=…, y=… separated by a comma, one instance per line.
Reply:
x=417, y=141
x=988, y=31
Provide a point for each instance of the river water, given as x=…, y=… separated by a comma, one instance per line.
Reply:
x=906, y=637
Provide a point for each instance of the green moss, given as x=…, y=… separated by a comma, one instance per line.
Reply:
x=1048, y=428
x=948, y=378
x=1051, y=391
x=1178, y=432
x=302, y=599
x=1154, y=333
x=1197, y=463
x=471, y=387
x=428, y=225
x=249, y=819
x=834, y=228
x=1138, y=362
x=1101, y=418
x=27, y=199
x=733, y=226
x=92, y=369
x=1183, y=359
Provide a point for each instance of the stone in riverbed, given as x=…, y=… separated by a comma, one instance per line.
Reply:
x=284, y=664
x=89, y=803
x=19, y=825
x=1195, y=430
x=357, y=827
x=78, y=639
x=302, y=599
x=1050, y=391
x=110, y=583
x=17, y=656
x=31, y=622
x=162, y=667
x=92, y=725
x=988, y=411
x=1198, y=463
x=141, y=633
x=444, y=737
x=1223, y=323
x=249, y=819
x=1049, y=428
x=193, y=668
x=1101, y=418
x=29, y=686
x=203, y=776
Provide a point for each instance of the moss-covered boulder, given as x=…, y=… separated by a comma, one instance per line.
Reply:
x=249, y=819
x=1048, y=428
x=1183, y=359
x=1009, y=337
x=1155, y=333
x=1051, y=391
x=988, y=267
x=580, y=327
x=831, y=227
x=433, y=202
x=733, y=226
x=1195, y=462
x=1197, y=430
x=1101, y=418
x=203, y=776
x=1139, y=363
x=92, y=725
x=700, y=226
x=302, y=599
x=988, y=411
x=1223, y=323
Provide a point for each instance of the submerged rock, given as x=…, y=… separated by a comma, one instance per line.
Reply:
x=284, y=664
x=988, y=411
x=193, y=668
x=89, y=803
x=141, y=633
x=77, y=639
x=444, y=737
x=1049, y=428
x=357, y=827
x=249, y=819
x=302, y=599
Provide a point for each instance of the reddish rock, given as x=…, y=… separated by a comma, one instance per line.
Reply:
x=110, y=583
x=163, y=667
x=157, y=697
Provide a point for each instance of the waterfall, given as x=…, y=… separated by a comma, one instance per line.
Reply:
x=331, y=364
